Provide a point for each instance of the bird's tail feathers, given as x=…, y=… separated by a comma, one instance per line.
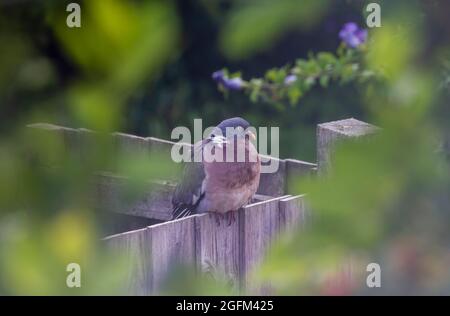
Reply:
x=182, y=210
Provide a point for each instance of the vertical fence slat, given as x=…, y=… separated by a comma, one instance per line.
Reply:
x=134, y=247
x=293, y=212
x=172, y=244
x=260, y=223
x=218, y=248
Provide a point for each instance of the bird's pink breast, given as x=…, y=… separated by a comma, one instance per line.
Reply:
x=231, y=185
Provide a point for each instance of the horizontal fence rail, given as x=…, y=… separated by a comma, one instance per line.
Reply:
x=77, y=142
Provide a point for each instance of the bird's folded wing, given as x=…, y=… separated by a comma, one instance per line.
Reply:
x=188, y=193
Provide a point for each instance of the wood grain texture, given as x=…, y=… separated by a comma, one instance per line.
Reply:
x=135, y=248
x=331, y=132
x=153, y=202
x=273, y=184
x=85, y=144
x=259, y=225
x=225, y=252
x=218, y=250
x=232, y=252
x=115, y=223
x=293, y=213
x=172, y=246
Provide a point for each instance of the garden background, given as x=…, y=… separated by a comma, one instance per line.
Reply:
x=145, y=67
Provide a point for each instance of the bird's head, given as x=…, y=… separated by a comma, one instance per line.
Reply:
x=231, y=129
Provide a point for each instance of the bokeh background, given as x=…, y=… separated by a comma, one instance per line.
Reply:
x=144, y=67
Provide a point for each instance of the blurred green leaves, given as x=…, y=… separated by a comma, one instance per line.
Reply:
x=121, y=41
x=379, y=189
x=48, y=217
x=385, y=200
x=119, y=46
x=255, y=25
x=37, y=257
x=393, y=46
x=95, y=107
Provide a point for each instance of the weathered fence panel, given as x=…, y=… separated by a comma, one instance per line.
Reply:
x=218, y=248
x=226, y=252
x=154, y=202
x=293, y=212
x=273, y=184
x=134, y=247
x=172, y=245
x=82, y=143
x=260, y=225
x=231, y=252
x=153, y=252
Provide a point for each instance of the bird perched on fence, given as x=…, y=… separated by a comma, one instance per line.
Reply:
x=226, y=177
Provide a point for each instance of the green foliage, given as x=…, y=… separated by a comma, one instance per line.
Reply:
x=383, y=200
x=322, y=69
x=48, y=218
x=386, y=199
x=255, y=25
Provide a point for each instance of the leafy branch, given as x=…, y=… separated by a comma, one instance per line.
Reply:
x=291, y=82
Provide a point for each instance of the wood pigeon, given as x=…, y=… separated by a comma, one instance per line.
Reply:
x=222, y=185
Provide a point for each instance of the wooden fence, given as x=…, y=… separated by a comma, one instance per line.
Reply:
x=231, y=251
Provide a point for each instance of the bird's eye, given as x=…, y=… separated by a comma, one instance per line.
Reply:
x=212, y=136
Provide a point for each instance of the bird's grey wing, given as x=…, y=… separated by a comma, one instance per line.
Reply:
x=188, y=193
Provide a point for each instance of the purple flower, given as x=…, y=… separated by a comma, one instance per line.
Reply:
x=232, y=84
x=219, y=76
x=352, y=35
x=290, y=79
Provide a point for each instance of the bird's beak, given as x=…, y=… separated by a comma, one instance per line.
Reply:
x=251, y=135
